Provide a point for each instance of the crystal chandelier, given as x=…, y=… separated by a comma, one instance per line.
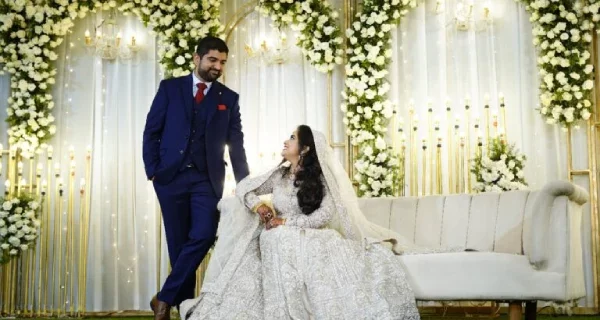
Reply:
x=108, y=43
x=464, y=17
x=268, y=53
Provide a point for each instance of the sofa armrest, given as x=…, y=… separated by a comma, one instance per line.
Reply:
x=555, y=224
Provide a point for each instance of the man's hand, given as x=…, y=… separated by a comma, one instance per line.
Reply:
x=274, y=223
x=265, y=213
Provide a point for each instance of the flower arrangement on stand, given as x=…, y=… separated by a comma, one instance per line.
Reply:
x=500, y=169
x=19, y=225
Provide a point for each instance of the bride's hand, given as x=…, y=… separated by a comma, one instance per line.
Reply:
x=265, y=213
x=274, y=223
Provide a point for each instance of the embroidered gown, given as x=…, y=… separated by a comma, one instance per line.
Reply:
x=304, y=271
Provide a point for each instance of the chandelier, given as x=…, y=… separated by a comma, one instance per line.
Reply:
x=466, y=18
x=108, y=43
x=270, y=53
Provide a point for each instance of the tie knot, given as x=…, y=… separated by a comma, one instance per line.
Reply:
x=201, y=85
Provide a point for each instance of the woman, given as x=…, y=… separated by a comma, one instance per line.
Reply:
x=319, y=258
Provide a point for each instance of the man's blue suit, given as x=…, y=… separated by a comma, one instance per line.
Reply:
x=183, y=148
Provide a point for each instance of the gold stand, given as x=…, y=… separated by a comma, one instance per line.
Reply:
x=41, y=281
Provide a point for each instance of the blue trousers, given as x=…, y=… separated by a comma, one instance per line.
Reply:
x=189, y=210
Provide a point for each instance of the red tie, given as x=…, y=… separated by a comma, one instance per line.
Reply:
x=200, y=94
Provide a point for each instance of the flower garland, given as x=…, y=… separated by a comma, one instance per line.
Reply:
x=562, y=31
x=32, y=31
x=501, y=169
x=366, y=107
x=319, y=35
x=18, y=226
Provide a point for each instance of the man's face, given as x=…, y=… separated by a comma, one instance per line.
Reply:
x=210, y=66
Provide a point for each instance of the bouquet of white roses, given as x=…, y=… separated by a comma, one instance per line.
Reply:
x=501, y=169
x=18, y=225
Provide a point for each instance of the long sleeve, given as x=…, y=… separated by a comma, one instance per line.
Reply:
x=153, y=129
x=252, y=200
x=235, y=141
x=318, y=218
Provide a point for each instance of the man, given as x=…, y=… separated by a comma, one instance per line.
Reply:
x=191, y=120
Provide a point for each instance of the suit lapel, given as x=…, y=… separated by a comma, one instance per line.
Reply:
x=187, y=84
x=211, y=101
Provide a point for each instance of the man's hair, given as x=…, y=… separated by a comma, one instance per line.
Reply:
x=211, y=43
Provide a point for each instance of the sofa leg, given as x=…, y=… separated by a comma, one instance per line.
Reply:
x=515, y=310
x=530, y=310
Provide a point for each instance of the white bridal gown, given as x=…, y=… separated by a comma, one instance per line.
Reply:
x=302, y=270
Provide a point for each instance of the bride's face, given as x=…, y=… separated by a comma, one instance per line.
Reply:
x=290, y=147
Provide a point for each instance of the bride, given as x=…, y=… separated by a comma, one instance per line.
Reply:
x=315, y=256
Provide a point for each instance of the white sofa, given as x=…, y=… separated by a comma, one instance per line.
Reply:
x=528, y=242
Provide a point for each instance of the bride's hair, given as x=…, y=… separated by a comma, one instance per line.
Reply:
x=308, y=178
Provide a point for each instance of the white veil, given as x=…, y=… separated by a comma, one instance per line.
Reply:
x=349, y=219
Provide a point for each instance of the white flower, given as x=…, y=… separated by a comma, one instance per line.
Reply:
x=380, y=143
x=180, y=60
x=585, y=114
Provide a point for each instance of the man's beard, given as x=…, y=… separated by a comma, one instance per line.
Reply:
x=209, y=75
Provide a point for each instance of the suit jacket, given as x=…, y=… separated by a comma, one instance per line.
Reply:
x=168, y=129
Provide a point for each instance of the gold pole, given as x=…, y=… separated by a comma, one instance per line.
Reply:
x=503, y=115
x=27, y=264
x=403, y=170
x=69, y=242
x=414, y=162
x=424, y=169
x=435, y=162
x=49, y=152
x=450, y=143
x=45, y=233
x=57, y=249
x=462, y=165
x=348, y=14
x=86, y=232
x=61, y=286
x=5, y=278
x=486, y=111
x=41, y=243
x=411, y=144
x=593, y=141
x=31, y=158
x=81, y=244
x=457, y=151
x=12, y=280
x=439, y=166
x=431, y=143
x=468, y=144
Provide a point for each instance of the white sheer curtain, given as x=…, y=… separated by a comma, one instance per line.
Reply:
x=103, y=105
x=433, y=60
x=275, y=98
